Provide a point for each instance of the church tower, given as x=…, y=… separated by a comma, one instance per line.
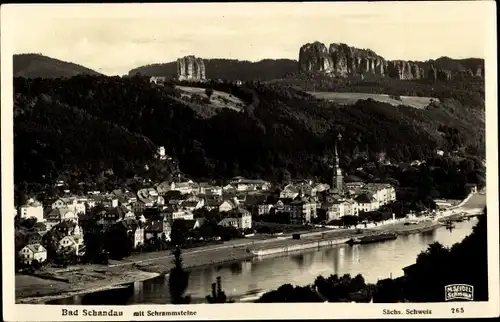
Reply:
x=338, y=178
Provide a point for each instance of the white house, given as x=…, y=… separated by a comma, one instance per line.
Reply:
x=74, y=204
x=31, y=252
x=238, y=218
x=174, y=213
x=158, y=80
x=383, y=192
x=192, y=204
x=55, y=216
x=229, y=187
x=367, y=202
x=32, y=209
x=183, y=187
x=264, y=209
x=243, y=184
x=228, y=205
x=206, y=188
x=72, y=242
x=289, y=192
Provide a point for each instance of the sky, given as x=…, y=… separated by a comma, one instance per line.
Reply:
x=112, y=39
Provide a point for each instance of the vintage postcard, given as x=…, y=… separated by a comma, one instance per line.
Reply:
x=275, y=160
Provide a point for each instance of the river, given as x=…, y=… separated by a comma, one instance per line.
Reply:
x=245, y=281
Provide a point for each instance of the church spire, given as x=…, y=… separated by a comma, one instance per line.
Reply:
x=337, y=164
x=338, y=178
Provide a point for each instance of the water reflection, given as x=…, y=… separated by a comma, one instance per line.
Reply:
x=240, y=280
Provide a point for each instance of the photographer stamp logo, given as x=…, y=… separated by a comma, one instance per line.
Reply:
x=459, y=292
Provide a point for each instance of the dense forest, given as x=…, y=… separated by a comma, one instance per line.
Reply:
x=37, y=65
x=86, y=125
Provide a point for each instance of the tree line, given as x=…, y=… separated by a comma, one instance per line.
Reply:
x=86, y=125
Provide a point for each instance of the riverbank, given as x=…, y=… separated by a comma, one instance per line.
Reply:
x=81, y=280
x=91, y=278
x=84, y=279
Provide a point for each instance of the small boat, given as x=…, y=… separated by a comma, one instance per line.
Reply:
x=449, y=225
x=372, y=238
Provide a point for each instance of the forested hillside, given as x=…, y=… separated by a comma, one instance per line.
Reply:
x=90, y=124
x=36, y=65
x=228, y=69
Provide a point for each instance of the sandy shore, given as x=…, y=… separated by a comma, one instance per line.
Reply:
x=33, y=290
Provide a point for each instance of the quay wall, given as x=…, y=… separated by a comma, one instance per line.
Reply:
x=291, y=248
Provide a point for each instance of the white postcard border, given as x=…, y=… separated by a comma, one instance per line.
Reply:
x=27, y=312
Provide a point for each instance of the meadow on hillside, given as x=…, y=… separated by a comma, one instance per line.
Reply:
x=351, y=98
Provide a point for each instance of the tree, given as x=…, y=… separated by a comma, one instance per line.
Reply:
x=218, y=295
x=178, y=280
x=94, y=245
x=117, y=242
x=40, y=226
x=289, y=293
x=178, y=233
x=51, y=242
x=36, y=264
x=209, y=92
x=28, y=223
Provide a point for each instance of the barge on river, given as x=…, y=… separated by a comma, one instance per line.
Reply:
x=372, y=239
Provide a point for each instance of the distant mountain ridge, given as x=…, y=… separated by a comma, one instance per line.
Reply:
x=37, y=65
x=271, y=69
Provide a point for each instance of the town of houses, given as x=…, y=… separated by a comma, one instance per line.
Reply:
x=151, y=211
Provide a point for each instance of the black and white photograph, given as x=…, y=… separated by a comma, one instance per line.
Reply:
x=172, y=155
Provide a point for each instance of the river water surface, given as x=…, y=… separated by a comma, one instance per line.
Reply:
x=247, y=280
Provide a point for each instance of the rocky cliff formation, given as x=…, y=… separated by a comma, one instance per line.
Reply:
x=479, y=71
x=341, y=60
x=190, y=68
x=438, y=74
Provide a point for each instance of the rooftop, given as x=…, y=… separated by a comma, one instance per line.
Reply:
x=36, y=248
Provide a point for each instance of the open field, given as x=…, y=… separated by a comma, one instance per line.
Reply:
x=351, y=98
x=217, y=100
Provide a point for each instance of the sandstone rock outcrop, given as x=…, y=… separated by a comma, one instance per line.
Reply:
x=479, y=71
x=438, y=74
x=401, y=69
x=190, y=68
x=341, y=60
x=314, y=57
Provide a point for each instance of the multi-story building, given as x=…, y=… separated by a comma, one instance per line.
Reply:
x=301, y=210
x=243, y=184
x=32, y=209
x=32, y=252
x=172, y=213
x=58, y=215
x=383, y=192
x=367, y=202
x=239, y=218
